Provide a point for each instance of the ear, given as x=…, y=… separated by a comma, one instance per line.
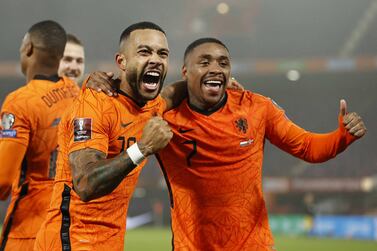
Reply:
x=120, y=60
x=29, y=49
x=184, y=72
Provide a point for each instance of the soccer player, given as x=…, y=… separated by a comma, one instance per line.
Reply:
x=100, y=160
x=72, y=65
x=213, y=164
x=28, y=135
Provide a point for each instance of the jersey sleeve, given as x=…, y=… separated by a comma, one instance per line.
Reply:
x=163, y=107
x=90, y=124
x=311, y=147
x=15, y=128
x=16, y=120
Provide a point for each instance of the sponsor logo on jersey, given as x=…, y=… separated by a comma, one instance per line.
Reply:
x=82, y=129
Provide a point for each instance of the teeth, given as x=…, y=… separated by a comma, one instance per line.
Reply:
x=216, y=82
x=152, y=73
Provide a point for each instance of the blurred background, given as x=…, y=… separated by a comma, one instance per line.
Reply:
x=305, y=54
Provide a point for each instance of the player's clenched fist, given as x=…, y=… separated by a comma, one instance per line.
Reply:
x=352, y=121
x=156, y=135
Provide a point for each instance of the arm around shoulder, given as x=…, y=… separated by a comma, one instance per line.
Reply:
x=174, y=94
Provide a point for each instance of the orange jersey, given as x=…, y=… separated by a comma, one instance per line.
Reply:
x=213, y=168
x=30, y=117
x=110, y=125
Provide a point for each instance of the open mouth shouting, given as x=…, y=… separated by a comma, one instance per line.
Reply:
x=213, y=85
x=151, y=80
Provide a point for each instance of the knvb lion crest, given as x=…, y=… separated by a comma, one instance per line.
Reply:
x=241, y=124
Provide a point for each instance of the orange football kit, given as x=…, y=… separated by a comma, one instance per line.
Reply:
x=29, y=121
x=110, y=125
x=213, y=168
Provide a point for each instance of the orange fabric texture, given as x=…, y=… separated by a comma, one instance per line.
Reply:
x=10, y=152
x=213, y=167
x=37, y=109
x=116, y=123
x=15, y=244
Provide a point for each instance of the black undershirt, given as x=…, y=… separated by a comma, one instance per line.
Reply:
x=213, y=109
x=53, y=78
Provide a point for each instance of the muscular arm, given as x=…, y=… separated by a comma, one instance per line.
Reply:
x=94, y=175
x=11, y=156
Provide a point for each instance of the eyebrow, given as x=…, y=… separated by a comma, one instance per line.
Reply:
x=150, y=48
x=208, y=56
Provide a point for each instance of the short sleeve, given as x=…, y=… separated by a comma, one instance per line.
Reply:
x=162, y=108
x=16, y=120
x=90, y=123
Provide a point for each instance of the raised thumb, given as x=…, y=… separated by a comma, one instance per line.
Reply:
x=343, y=107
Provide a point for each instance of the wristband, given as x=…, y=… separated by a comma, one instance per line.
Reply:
x=135, y=154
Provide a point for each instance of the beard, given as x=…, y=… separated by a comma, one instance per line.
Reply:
x=135, y=80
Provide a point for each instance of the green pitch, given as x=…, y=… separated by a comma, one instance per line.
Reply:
x=159, y=239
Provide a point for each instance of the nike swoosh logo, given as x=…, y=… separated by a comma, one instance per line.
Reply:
x=184, y=130
x=125, y=124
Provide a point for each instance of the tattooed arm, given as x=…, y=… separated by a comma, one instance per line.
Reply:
x=95, y=176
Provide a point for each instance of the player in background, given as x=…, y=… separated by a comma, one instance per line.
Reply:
x=28, y=139
x=72, y=65
x=213, y=164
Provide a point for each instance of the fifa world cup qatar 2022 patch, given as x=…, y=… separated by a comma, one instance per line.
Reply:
x=82, y=129
x=7, y=122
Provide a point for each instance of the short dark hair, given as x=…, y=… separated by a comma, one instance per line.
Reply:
x=139, y=26
x=73, y=39
x=201, y=41
x=49, y=36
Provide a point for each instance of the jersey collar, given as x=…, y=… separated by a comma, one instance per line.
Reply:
x=213, y=109
x=53, y=78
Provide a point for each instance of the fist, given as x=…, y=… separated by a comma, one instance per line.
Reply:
x=352, y=121
x=156, y=135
